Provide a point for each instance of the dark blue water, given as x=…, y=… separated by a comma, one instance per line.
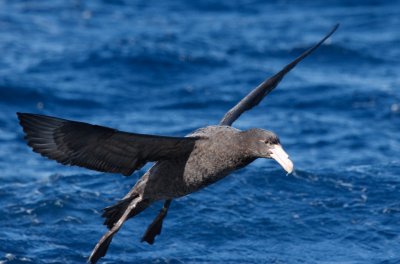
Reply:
x=169, y=67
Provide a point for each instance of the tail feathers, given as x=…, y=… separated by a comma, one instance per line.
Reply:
x=101, y=248
x=113, y=213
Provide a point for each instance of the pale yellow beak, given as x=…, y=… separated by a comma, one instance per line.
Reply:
x=282, y=158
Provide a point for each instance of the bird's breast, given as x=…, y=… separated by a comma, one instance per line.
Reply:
x=211, y=161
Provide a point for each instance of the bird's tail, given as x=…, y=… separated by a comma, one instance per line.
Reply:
x=115, y=216
x=113, y=213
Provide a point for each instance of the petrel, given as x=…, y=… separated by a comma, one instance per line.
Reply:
x=182, y=164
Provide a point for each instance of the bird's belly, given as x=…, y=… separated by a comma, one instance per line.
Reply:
x=201, y=176
x=172, y=179
x=198, y=175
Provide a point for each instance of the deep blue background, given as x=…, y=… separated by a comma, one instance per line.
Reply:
x=169, y=67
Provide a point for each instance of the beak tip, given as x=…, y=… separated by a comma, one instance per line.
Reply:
x=289, y=169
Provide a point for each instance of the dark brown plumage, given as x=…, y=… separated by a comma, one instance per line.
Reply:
x=97, y=147
x=182, y=164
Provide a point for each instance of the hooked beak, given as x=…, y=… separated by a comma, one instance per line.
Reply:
x=281, y=157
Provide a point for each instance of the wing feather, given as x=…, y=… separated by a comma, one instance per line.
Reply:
x=256, y=95
x=97, y=147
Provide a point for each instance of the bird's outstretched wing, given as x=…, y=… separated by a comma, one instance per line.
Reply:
x=256, y=95
x=97, y=147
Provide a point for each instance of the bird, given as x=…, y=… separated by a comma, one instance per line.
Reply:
x=181, y=165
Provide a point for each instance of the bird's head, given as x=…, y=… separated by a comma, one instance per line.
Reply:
x=265, y=144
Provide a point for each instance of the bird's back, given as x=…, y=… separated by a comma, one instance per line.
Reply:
x=219, y=152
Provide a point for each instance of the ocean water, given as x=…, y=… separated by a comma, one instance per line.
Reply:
x=169, y=67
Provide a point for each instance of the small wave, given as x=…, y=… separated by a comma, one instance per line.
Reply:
x=144, y=56
x=25, y=97
x=338, y=52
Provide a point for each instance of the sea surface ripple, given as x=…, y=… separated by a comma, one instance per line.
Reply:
x=169, y=67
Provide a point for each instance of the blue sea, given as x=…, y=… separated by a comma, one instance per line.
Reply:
x=170, y=67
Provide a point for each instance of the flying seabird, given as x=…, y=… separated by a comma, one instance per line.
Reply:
x=182, y=164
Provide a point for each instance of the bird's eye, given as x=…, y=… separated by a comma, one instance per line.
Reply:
x=265, y=141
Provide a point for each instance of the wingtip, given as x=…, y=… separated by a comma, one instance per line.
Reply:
x=23, y=118
x=336, y=26
x=333, y=30
x=20, y=115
